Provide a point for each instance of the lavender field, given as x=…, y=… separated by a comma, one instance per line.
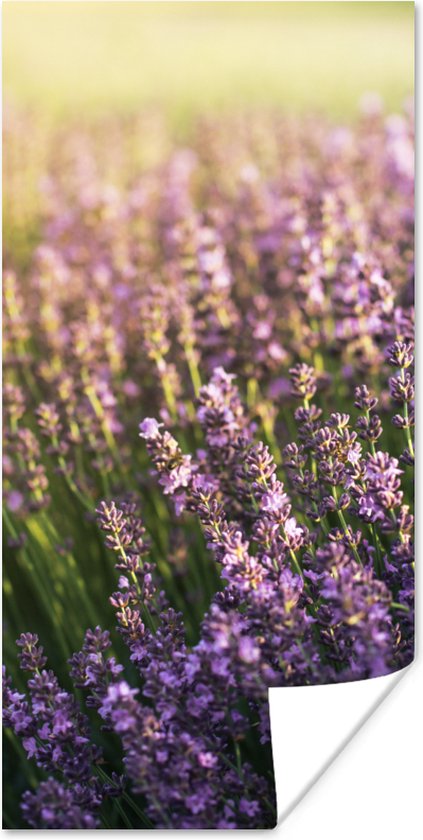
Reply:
x=208, y=447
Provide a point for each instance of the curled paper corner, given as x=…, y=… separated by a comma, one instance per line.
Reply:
x=312, y=725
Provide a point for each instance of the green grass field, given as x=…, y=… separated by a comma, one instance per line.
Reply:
x=68, y=57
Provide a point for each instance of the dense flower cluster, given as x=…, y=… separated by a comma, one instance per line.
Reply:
x=273, y=561
x=56, y=735
x=248, y=308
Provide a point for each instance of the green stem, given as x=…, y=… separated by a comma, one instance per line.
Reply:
x=44, y=591
x=341, y=518
x=128, y=799
x=122, y=813
x=396, y=606
x=406, y=418
x=376, y=543
x=193, y=370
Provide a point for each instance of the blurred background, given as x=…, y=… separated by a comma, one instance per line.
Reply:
x=90, y=57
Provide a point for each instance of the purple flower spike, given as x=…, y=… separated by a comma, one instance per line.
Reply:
x=150, y=428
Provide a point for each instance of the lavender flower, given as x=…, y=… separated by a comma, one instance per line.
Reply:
x=56, y=806
x=257, y=318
